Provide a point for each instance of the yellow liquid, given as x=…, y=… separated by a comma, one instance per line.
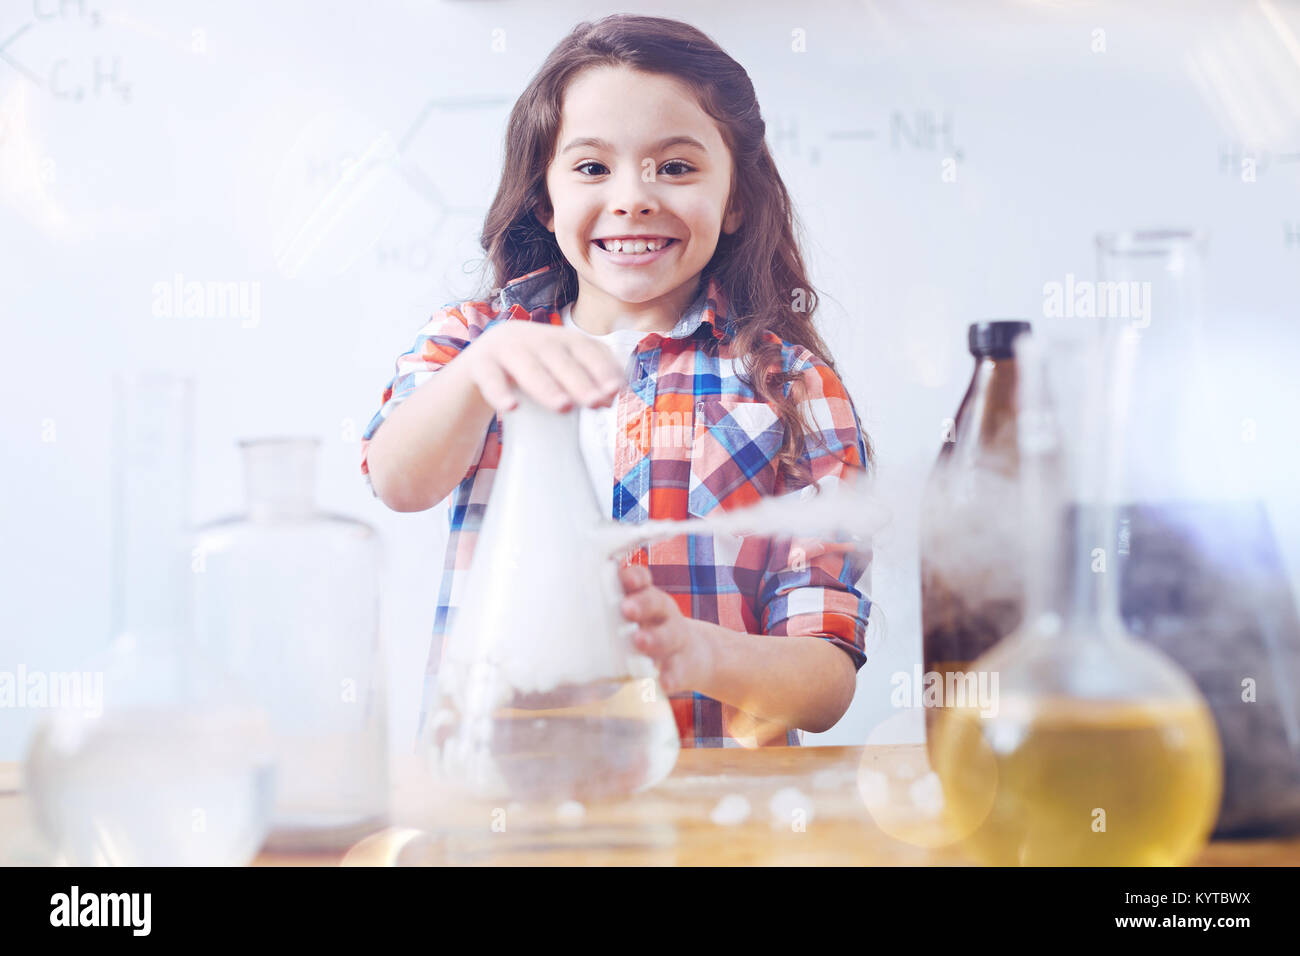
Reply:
x=1081, y=783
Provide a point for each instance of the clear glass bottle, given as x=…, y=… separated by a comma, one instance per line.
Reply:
x=541, y=695
x=167, y=763
x=1202, y=577
x=288, y=597
x=1092, y=748
x=971, y=586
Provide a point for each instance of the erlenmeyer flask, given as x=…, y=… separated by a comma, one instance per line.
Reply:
x=1095, y=749
x=173, y=766
x=541, y=694
x=288, y=598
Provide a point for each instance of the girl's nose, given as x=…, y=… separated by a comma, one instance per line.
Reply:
x=633, y=195
x=645, y=209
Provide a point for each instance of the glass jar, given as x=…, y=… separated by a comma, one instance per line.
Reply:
x=288, y=597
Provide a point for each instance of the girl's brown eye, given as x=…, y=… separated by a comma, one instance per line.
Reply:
x=685, y=168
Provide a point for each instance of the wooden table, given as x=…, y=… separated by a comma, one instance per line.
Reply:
x=806, y=806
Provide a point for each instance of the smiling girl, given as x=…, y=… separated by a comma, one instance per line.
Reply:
x=652, y=282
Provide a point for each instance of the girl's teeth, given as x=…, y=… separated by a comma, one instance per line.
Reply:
x=634, y=246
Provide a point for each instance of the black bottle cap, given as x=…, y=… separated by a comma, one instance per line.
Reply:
x=993, y=339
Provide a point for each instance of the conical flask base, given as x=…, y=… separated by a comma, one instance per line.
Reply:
x=541, y=694
x=581, y=742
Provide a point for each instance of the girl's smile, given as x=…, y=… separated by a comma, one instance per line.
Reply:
x=637, y=254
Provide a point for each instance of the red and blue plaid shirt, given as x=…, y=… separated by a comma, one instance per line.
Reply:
x=685, y=382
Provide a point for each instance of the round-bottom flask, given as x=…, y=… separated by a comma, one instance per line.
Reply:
x=1095, y=751
x=174, y=769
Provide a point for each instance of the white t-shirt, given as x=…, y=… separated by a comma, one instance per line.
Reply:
x=596, y=426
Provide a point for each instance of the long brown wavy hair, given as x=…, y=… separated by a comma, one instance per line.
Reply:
x=759, y=268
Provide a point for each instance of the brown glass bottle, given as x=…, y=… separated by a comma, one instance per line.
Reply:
x=970, y=547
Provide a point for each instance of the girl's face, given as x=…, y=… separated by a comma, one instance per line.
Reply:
x=636, y=155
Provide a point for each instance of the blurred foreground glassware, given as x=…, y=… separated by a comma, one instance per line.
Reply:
x=1201, y=573
x=540, y=693
x=972, y=589
x=288, y=598
x=1093, y=748
x=171, y=766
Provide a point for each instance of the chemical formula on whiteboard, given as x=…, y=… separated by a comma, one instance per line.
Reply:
x=91, y=76
x=920, y=131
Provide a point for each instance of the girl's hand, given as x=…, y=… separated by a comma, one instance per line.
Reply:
x=670, y=638
x=552, y=365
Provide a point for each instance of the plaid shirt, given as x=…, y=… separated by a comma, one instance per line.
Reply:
x=683, y=384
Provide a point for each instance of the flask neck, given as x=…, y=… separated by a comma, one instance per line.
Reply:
x=1072, y=565
x=1091, y=607
x=280, y=477
x=1072, y=574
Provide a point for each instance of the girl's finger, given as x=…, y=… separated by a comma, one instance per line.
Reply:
x=495, y=387
x=601, y=365
x=652, y=642
x=572, y=374
x=634, y=577
x=647, y=607
x=669, y=680
x=660, y=641
x=537, y=381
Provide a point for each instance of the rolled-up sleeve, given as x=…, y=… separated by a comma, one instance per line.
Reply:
x=440, y=340
x=817, y=587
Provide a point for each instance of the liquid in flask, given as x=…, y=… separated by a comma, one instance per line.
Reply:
x=1062, y=780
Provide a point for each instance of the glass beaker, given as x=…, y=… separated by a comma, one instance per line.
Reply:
x=540, y=692
x=171, y=765
x=1093, y=748
x=1201, y=573
x=288, y=597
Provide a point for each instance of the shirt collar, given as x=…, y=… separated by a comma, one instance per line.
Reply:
x=538, y=290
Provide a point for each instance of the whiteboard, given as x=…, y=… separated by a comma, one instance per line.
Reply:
x=332, y=164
